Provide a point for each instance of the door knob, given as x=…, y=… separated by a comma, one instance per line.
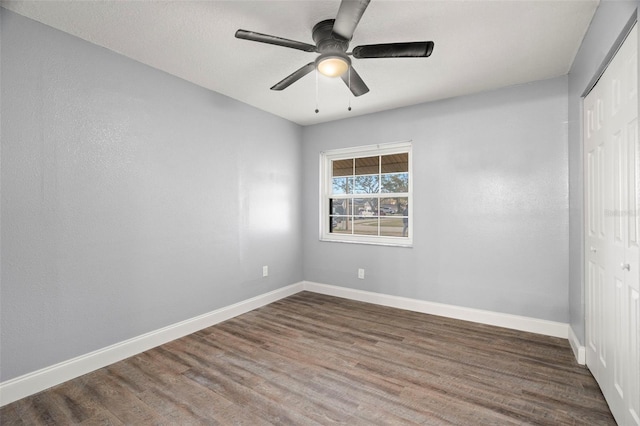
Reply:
x=625, y=266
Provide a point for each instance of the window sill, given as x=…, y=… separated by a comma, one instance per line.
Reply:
x=386, y=243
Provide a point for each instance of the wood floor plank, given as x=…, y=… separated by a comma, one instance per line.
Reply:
x=313, y=359
x=102, y=418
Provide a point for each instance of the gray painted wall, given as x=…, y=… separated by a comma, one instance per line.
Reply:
x=607, y=24
x=490, y=203
x=131, y=199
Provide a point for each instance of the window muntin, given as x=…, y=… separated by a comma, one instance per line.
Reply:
x=366, y=195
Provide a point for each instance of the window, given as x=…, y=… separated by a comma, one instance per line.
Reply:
x=366, y=195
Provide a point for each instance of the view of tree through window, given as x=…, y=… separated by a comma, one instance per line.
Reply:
x=370, y=196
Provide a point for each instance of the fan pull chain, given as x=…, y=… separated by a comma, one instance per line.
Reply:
x=317, y=110
x=349, y=93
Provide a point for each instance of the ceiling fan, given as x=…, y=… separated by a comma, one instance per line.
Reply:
x=332, y=38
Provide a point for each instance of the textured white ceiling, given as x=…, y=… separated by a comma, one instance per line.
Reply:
x=479, y=45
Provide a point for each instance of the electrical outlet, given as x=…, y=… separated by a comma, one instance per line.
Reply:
x=361, y=273
x=265, y=271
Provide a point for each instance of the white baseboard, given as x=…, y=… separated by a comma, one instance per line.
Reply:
x=31, y=383
x=578, y=349
x=516, y=322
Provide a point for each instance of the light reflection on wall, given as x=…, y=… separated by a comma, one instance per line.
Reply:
x=265, y=205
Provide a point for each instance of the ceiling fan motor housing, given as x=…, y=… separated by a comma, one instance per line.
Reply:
x=326, y=41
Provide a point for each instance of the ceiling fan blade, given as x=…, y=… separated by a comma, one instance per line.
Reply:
x=278, y=41
x=357, y=86
x=417, y=49
x=348, y=17
x=293, y=77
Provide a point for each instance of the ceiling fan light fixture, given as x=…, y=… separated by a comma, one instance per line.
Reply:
x=333, y=65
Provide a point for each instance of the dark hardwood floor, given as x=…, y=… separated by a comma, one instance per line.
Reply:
x=311, y=359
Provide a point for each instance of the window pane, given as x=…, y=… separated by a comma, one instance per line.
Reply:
x=342, y=167
x=395, y=182
x=367, y=225
x=404, y=206
x=365, y=207
x=342, y=185
x=395, y=163
x=404, y=213
x=340, y=207
x=391, y=226
x=367, y=165
x=391, y=206
x=369, y=184
x=340, y=224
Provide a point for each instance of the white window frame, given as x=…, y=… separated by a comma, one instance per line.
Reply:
x=326, y=174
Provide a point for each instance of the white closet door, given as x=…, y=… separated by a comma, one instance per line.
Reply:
x=612, y=255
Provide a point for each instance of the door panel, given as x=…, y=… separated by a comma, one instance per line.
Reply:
x=620, y=336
